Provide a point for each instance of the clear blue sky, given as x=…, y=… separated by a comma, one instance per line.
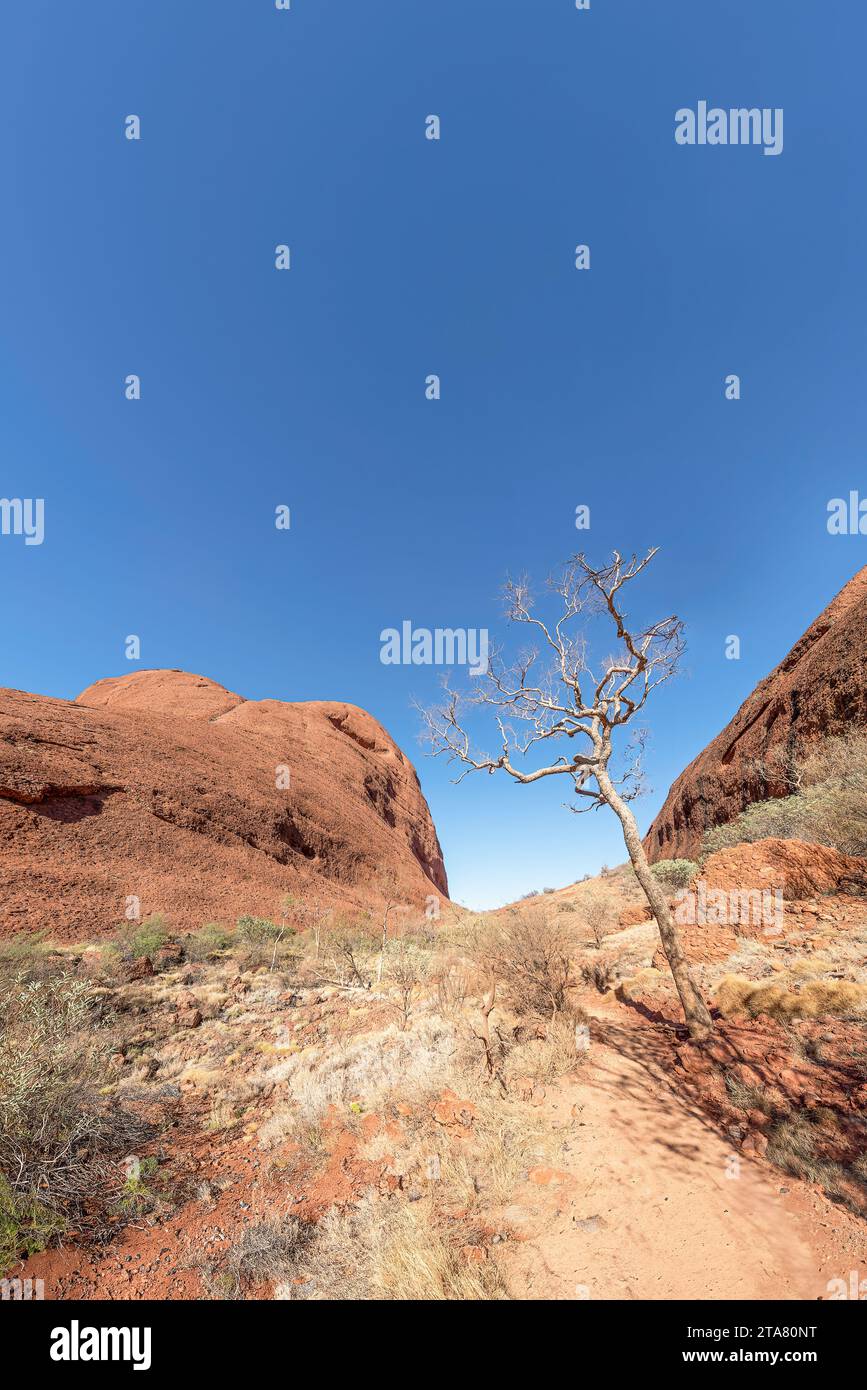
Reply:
x=412, y=257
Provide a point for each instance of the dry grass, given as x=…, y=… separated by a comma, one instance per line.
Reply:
x=60, y=1140
x=395, y=1064
x=269, y=1252
x=530, y=959
x=775, y=998
x=397, y=1252
x=561, y=1050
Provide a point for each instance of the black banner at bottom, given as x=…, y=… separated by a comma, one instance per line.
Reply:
x=84, y=1339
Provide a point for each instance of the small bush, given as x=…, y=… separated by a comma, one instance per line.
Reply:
x=59, y=1140
x=142, y=938
x=407, y=969
x=350, y=950
x=827, y=807
x=208, y=942
x=22, y=956
x=268, y=1252
x=599, y=915
x=675, y=873
x=530, y=958
x=600, y=974
x=264, y=942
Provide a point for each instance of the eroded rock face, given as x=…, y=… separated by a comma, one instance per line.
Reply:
x=820, y=689
x=798, y=869
x=164, y=785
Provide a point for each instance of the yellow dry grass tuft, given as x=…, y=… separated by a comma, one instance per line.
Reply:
x=815, y=999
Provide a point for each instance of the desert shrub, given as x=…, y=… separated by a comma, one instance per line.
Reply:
x=136, y=1196
x=142, y=938
x=24, y=956
x=263, y=942
x=599, y=914
x=59, y=1140
x=675, y=873
x=350, y=950
x=208, y=942
x=530, y=960
x=268, y=1252
x=453, y=985
x=406, y=969
x=829, y=806
x=782, y=819
x=600, y=974
x=257, y=930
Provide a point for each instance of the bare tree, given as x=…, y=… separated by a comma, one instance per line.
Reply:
x=388, y=888
x=559, y=695
x=310, y=913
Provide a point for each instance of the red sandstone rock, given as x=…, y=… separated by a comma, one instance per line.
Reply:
x=819, y=689
x=798, y=869
x=455, y=1114
x=635, y=914
x=163, y=785
x=140, y=969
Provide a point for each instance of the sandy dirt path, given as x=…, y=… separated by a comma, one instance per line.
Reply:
x=645, y=1209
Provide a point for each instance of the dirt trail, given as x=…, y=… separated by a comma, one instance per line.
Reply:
x=647, y=1209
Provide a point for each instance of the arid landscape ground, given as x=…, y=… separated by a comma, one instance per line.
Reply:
x=251, y=1052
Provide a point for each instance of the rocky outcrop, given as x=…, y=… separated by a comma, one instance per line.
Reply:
x=820, y=689
x=165, y=786
x=794, y=867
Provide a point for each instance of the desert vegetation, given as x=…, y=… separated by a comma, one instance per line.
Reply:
x=60, y=1138
x=827, y=804
x=307, y=1107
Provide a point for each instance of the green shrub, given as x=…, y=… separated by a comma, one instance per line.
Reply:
x=142, y=938
x=255, y=931
x=263, y=941
x=675, y=873
x=828, y=807
x=208, y=942
x=26, y=1226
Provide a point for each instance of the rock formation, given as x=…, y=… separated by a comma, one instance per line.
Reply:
x=166, y=787
x=818, y=690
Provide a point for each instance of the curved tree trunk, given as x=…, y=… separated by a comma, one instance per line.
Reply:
x=698, y=1019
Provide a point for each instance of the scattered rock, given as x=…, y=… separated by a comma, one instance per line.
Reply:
x=140, y=969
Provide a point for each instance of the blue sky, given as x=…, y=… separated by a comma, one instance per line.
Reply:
x=412, y=257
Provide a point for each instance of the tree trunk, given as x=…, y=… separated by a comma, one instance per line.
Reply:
x=698, y=1019
x=383, y=947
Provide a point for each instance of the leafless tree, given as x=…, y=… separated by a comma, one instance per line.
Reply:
x=311, y=914
x=388, y=888
x=557, y=694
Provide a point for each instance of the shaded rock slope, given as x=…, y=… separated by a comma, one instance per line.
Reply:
x=818, y=690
